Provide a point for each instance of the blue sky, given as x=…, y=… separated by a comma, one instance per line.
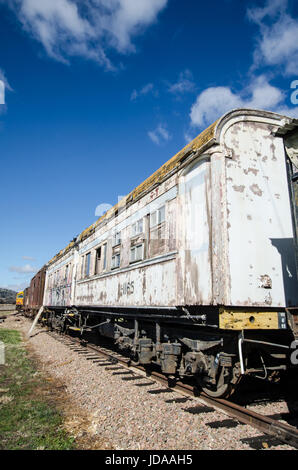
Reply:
x=100, y=93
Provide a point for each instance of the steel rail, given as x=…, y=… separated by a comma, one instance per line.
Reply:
x=284, y=432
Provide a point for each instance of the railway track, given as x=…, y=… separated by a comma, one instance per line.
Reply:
x=283, y=432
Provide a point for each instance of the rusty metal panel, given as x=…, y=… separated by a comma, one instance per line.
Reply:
x=241, y=320
x=35, y=292
x=260, y=235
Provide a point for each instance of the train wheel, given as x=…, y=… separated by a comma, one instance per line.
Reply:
x=134, y=359
x=223, y=391
x=223, y=387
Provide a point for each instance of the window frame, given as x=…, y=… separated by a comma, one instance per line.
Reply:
x=116, y=239
x=104, y=259
x=66, y=273
x=115, y=256
x=87, y=264
x=97, y=269
x=134, y=248
x=135, y=233
x=157, y=213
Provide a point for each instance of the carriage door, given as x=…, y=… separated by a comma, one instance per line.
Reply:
x=197, y=233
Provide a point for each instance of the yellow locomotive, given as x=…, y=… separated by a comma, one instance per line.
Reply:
x=20, y=300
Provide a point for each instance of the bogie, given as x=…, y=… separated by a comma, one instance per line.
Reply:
x=200, y=356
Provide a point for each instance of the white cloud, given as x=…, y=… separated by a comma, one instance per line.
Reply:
x=184, y=83
x=16, y=287
x=102, y=209
x=215, y=101
x=74, y=28
x=270, y=10
x=276, y=46
x=23, y=269
x=260, y=94
x=211, y=103
x=159, y=135
x=278, y=42
x=149, y=88
x=2, y=93
x=286, y=111
x=4, y=86
x=4, y=79
x=125, y=18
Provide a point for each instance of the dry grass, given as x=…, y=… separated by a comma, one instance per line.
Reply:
x=77, y=422
x=36, y=412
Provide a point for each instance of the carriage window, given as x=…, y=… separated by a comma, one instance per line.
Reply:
x=137, y=228
x=115, y=261
x=87, y=264
x=161, y=214
x=136, y=253
x=157, y=217
x=153, y=219
x=66, y=273
x=157, y=242
x=104, y=247
x=97, y=260
x=116, y=239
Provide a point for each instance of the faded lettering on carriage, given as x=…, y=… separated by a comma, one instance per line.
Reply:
x=85, y=298
x=126, y=288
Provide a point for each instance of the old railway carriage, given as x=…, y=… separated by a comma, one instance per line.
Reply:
x=33, y=295
x=195, y=269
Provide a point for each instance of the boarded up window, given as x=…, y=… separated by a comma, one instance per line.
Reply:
x=97, y=261
x=157, y=242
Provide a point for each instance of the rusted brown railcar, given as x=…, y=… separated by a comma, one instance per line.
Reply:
x=34, y=293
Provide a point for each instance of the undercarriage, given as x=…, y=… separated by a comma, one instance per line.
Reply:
x=183, y=345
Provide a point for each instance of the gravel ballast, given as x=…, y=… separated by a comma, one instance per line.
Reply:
x=139, y=414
